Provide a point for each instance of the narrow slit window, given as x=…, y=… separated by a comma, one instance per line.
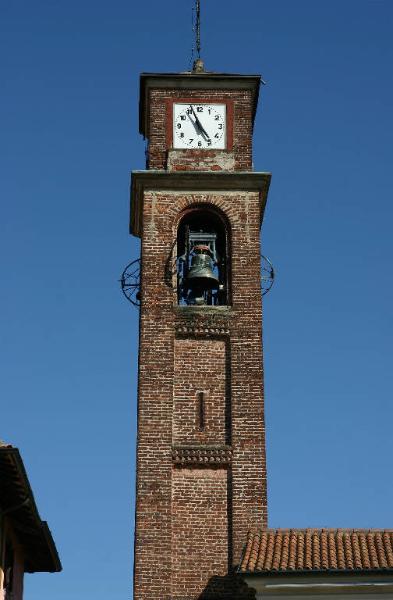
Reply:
x=201, y=410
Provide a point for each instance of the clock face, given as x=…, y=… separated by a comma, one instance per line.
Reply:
x=199, y=126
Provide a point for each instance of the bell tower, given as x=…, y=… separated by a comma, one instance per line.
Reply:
x=198, y=208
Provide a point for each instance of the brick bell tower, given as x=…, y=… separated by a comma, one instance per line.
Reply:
x=198, y=208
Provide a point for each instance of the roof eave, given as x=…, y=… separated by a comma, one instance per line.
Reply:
x=317, y=572
x=40, y=550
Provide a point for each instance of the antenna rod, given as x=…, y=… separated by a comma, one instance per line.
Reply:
x=198, y=66
x=198, y=27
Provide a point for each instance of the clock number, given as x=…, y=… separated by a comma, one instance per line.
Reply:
x=189, y=111
x=181, y=134
x=209, y=142
x=217, y=135
x=209, y=110
x=220, y=126
x=183, y=117
x=199, y=144
x=217, y=118
x=199, y=108
x=178, y=125
x=191, y=140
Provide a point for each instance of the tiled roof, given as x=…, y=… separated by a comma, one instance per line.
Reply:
x=296, y=550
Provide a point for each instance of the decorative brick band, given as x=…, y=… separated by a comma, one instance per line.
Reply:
x=199, y=329
x=202, y=456
x=203, y=322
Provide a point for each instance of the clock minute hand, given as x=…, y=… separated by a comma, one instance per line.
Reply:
x=195, y=125
x=199, y=123
x=198, y=128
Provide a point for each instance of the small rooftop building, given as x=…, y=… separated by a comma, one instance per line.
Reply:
x=26, y=543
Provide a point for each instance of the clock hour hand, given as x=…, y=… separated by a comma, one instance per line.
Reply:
x=201, y=128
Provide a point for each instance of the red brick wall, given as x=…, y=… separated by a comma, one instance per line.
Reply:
x=200, y=366
x=167, y=526
x=199, y=530
x=159, y=137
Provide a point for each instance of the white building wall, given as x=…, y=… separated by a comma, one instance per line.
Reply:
x=322, y=587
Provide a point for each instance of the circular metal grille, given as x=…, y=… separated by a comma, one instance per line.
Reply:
x=130, y=282
x=267, y=275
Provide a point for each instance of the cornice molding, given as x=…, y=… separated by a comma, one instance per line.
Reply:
x=193, y=181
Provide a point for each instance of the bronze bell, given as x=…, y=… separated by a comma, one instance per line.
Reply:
x=201, y=274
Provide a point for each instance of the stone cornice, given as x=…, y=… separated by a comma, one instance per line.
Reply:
x=193, y=181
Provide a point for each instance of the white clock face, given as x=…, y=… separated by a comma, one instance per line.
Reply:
x=199, y=126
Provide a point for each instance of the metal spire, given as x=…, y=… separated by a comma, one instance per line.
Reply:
x=198, y=27
x=198, y=66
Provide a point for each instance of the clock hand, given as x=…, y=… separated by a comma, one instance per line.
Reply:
x=198, y=128
x=199, y=123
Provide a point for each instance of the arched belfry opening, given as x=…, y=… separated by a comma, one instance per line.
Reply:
x=203, y=258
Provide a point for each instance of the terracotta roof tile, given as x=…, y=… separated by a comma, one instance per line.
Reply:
x=308, y=550
x=285, y=552
x=324, y=551
x=357, y=554
x=316, y=551
x=291, y=550
x=269, y=551
x=262, y=550
x=300, y=550
x=380, y=550
x=348, y=551
x=388, y=546
x=364, y=551
x=277, y=553
x=332, y=557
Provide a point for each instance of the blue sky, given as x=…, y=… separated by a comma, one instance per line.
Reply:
x=69, y=110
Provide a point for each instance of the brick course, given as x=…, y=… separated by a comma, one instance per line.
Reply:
x=200, y=367
x=199, y=530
